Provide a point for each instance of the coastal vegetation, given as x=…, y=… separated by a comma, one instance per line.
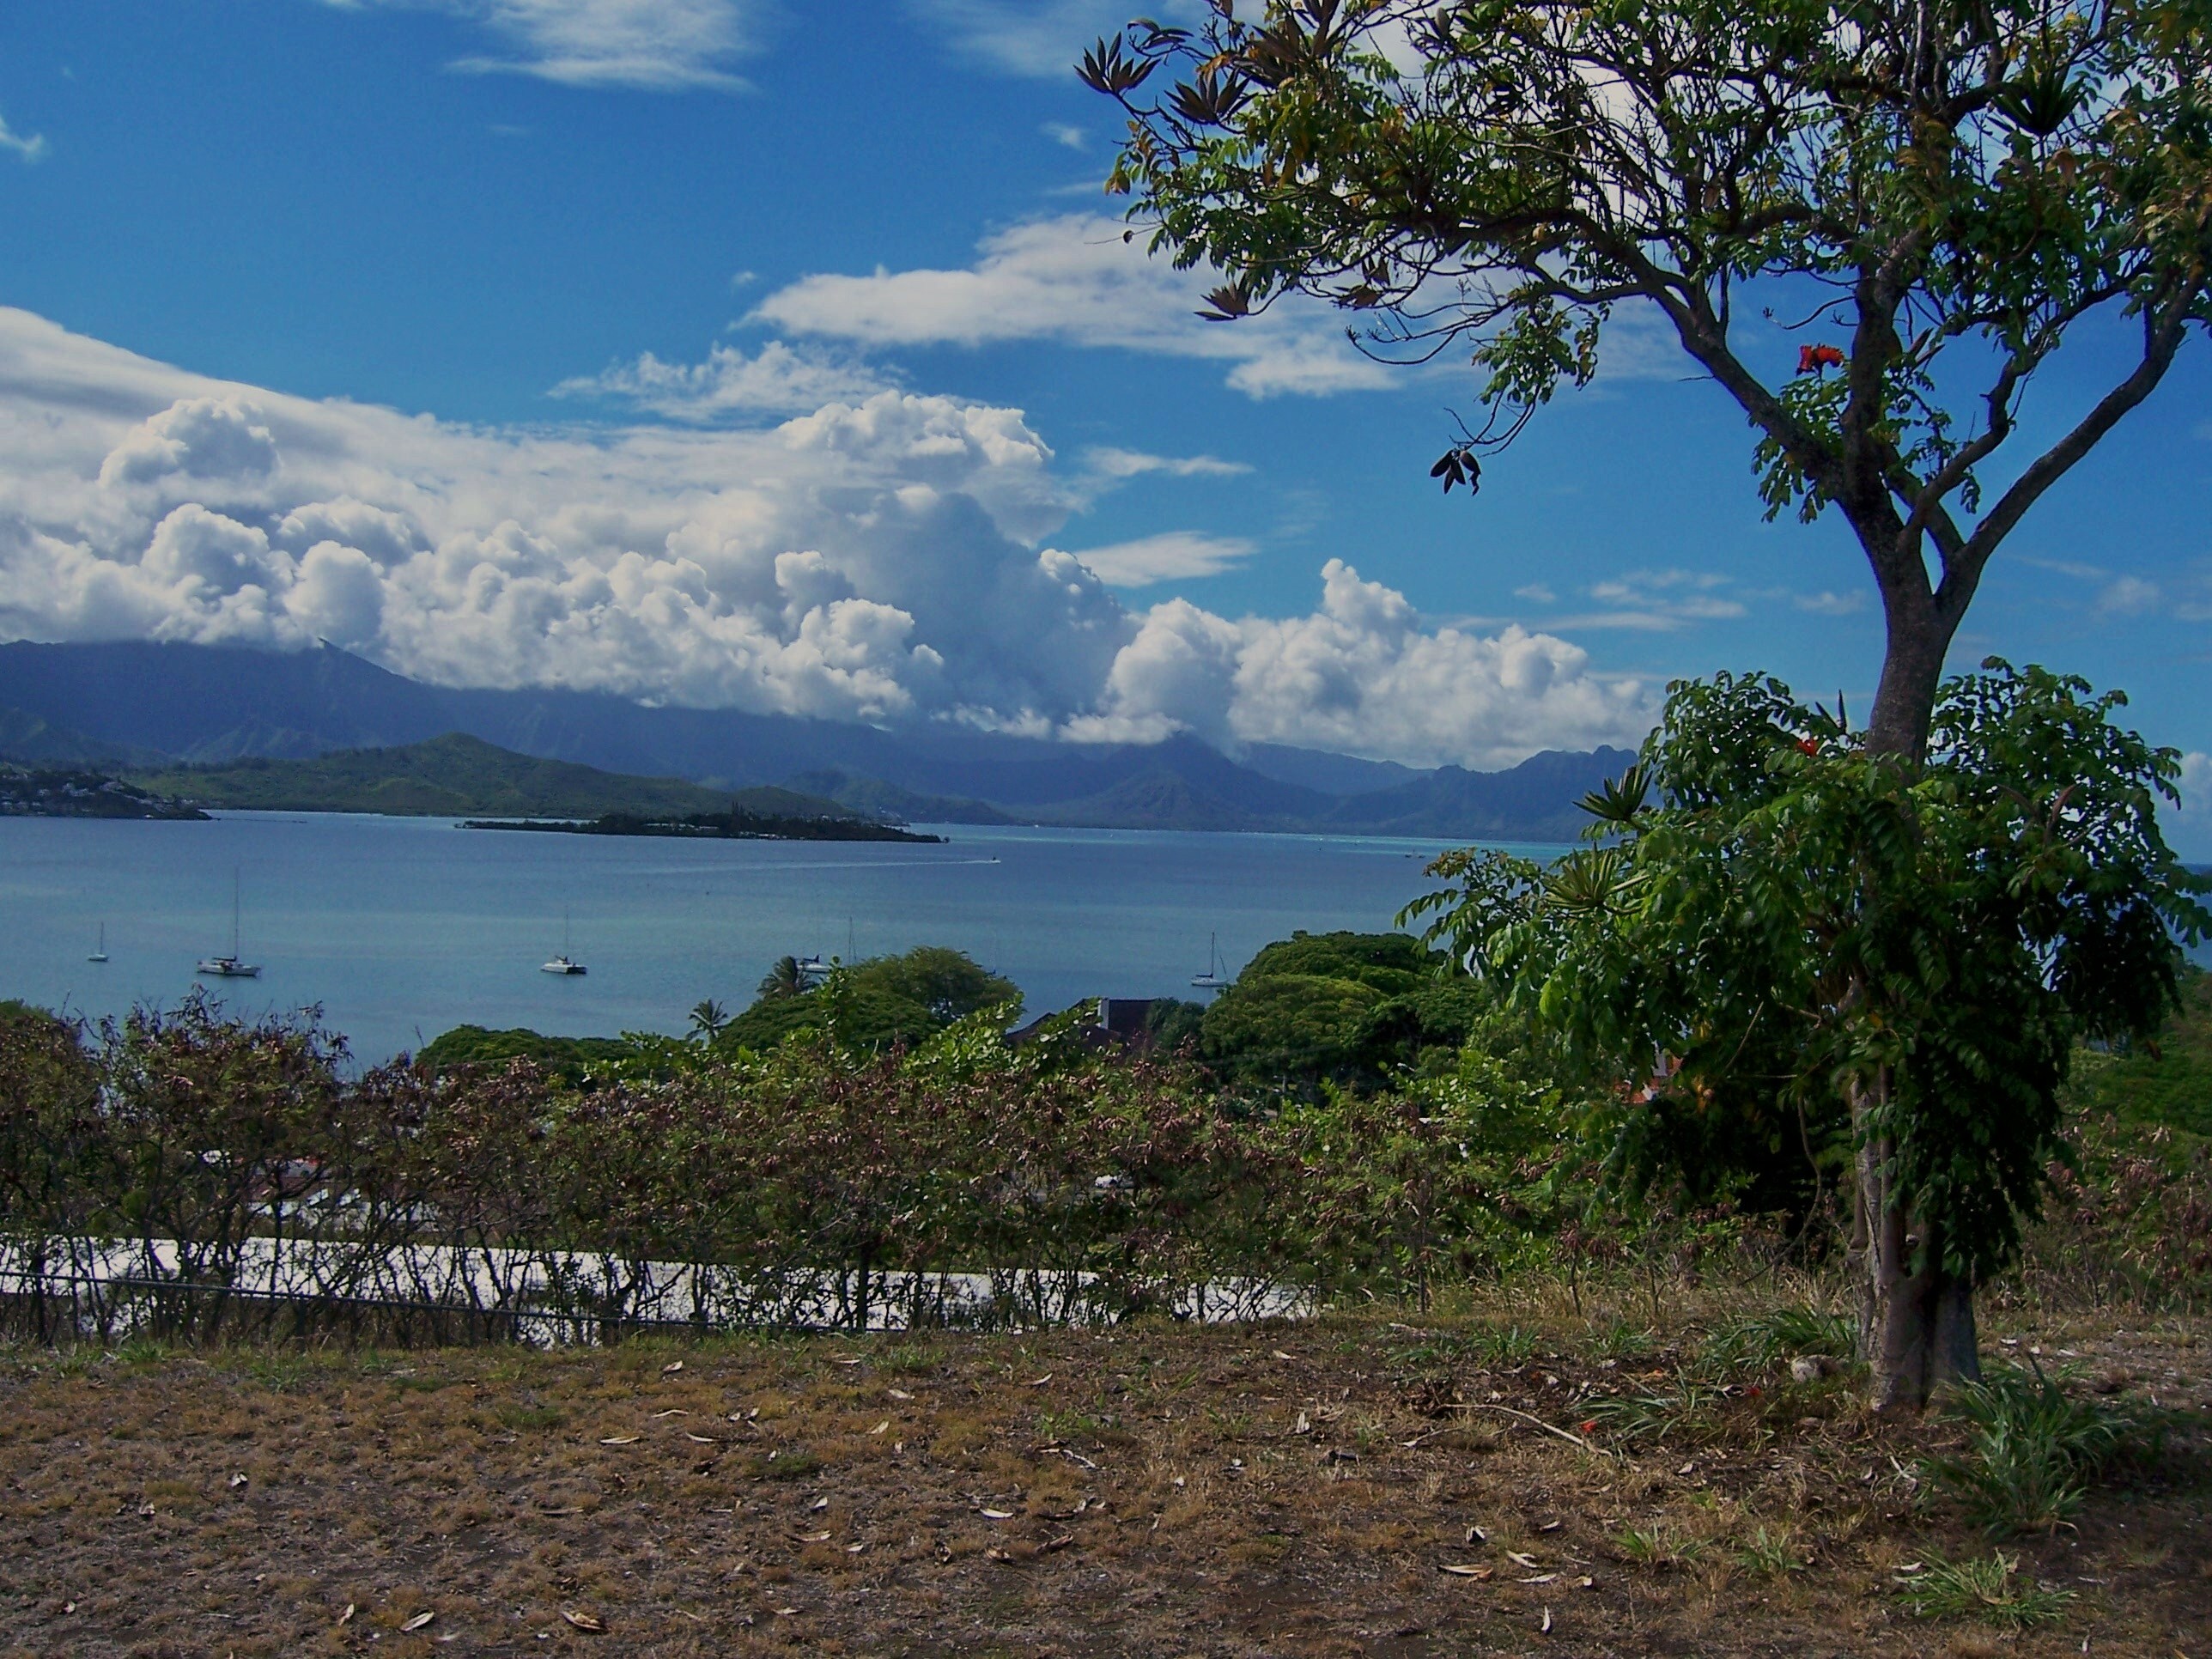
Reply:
x=29, y=792
x=460, y=777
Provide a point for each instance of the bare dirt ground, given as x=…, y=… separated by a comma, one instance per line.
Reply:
x=1378, y=1486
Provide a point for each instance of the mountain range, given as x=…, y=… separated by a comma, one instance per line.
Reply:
x=143, y=705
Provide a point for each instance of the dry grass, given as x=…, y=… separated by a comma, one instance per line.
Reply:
x=1281, y=1489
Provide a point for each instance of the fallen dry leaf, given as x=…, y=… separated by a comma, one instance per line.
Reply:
x=818, y=1506
x=898, y=1393
x=1280, y=1354
x=584, y=1621
x=881, y=1428
x=236, y=1481
x=1038, y=1382
x=619, y=1440
x=346, y=1617
x=1465, y=1570
x=1521, y=1560
x=996, y=1514
x=673, y=1411
x=420, y=1620
x=814, y=1538
x=672, y=1368
x=1545, y=1627
x=702, y=1439
x=1541, y=1578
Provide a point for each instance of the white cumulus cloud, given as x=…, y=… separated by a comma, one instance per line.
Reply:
x=1079, y=279
x=655, y=45
x=877, y=558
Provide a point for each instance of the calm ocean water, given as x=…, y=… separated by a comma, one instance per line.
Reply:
x=402, y=927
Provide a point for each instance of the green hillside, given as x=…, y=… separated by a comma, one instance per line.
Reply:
x=2171, y=1087
x=459, y=777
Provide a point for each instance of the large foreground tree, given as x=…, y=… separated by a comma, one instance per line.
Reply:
x=1872, y=225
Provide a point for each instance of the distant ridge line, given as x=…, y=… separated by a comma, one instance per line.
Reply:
x=143, y=703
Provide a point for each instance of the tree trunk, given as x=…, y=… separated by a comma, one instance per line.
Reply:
x=1918, y=1321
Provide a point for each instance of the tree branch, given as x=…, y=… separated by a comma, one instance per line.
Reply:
x=2165, y=318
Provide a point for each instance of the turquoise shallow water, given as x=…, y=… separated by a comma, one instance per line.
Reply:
x=401, y=927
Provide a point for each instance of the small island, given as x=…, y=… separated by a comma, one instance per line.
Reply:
x=715, y=826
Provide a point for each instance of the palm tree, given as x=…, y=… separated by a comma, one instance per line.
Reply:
x=708, y=1017
x=785, y=979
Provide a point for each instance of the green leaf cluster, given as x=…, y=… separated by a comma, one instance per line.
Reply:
x=1778, y=940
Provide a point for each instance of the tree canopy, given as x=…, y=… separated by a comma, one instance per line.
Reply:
x=874, y=1005
x=1871, y=225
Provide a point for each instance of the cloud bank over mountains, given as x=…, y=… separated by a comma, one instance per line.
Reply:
x=884, y=555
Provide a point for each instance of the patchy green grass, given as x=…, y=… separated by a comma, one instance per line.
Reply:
x=1991, y=1589
x=2032, y=1450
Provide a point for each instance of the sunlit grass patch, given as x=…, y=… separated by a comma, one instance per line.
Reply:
x=1989, y=1589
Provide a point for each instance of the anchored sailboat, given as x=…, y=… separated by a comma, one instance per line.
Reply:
x=232, y=966
x=564, y=964
x=1215, y=978
x=100, y=950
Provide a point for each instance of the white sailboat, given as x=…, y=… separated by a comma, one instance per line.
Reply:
x=232, y=966
x=564, y=964
x=1214, y=978
x=100, y=950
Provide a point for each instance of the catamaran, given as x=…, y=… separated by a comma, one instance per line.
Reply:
x=564, y=964
x=232, y=966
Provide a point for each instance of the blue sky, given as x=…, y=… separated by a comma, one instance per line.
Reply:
x=539, y=220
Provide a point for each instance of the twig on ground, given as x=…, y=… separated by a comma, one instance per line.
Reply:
x=1508, y=1411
